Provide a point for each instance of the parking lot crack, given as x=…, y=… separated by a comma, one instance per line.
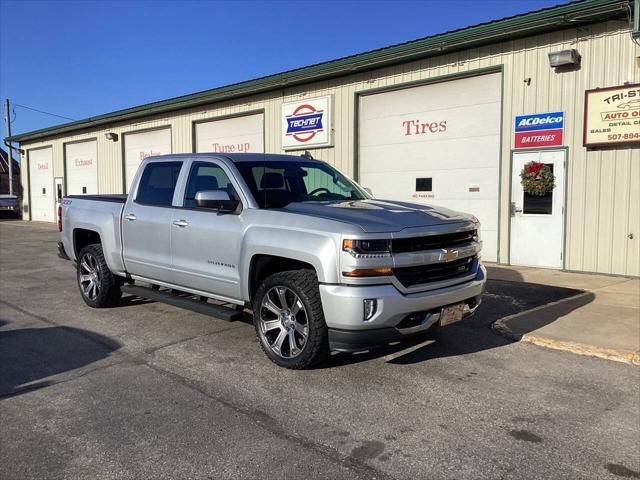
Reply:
x=270, y=424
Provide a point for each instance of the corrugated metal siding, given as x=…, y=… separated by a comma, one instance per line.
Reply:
x=603, y=191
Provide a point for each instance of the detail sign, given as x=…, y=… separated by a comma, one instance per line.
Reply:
x=306, y=123
x=539, y=130
x=612, y=116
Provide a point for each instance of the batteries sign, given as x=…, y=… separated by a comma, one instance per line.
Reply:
x=539, y=130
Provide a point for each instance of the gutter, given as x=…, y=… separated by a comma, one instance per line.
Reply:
x=564, y=16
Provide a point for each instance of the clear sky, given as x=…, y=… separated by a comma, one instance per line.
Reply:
x=84, y=58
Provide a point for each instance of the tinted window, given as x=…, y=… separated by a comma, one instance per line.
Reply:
x=277, y=183
x=158, y=183
x=203, y=177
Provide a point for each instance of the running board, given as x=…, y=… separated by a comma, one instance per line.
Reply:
x=218, y=311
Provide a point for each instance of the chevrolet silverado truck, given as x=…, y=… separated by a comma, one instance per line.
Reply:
x=321, y=264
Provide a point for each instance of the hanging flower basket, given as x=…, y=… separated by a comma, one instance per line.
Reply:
x=537, y=179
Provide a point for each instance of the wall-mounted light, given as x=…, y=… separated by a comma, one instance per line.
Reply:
x=564, y=58
x=111, y=136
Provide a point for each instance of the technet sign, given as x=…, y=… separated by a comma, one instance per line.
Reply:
x=306, y=123
x=539, y=130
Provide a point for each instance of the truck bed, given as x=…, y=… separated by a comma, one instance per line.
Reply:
x=101, y=198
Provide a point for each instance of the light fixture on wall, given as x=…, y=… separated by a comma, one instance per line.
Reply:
x=111, y=136
x=564, y=58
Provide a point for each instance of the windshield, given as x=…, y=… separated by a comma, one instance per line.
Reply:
x=275, y=184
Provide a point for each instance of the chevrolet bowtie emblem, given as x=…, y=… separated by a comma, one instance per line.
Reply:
x=449, y=255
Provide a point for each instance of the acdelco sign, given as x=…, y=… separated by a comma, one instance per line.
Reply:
x=306, y=123
x=539, y=130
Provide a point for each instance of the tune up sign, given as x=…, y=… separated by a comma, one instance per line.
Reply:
x=539, y=130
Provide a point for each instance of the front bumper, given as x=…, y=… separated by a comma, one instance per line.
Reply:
x=397, y=315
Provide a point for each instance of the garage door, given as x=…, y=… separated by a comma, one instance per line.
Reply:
x=41, y=184
x=231, y=135
x=138, y=146
x=81, y=167
x=436, y=144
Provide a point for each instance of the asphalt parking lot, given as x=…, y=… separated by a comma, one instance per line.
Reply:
x=146, y=390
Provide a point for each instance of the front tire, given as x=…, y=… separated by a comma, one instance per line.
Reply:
x=289, y=321
x=99, y=287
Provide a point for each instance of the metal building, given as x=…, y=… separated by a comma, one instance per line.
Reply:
x=450, y=119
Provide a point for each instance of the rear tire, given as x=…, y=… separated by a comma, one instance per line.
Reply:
x=289, y=321
x=99, y=287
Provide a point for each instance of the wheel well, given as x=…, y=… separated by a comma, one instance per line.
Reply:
x=263, y=266
x=83, y=237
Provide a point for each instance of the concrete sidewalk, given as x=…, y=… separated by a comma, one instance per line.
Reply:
x=603, y=321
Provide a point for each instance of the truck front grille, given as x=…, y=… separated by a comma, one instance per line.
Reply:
x=432, y=242
x=436, y=272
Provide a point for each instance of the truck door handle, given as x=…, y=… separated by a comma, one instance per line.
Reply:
x=131, y=217
x=181, y=223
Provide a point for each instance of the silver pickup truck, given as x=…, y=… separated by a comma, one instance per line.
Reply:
x=322, y=265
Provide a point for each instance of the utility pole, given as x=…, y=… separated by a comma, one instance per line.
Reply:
x=10, y=162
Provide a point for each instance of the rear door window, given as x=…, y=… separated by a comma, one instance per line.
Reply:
x=158, y=183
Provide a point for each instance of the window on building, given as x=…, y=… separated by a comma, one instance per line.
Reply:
x=424, y=184
x=538, y=204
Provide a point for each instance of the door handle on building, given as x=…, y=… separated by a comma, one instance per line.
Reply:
x=515, y=209
x=131, y=217
x=181, y=223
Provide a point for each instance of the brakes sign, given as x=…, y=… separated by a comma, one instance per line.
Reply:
x=539, y=130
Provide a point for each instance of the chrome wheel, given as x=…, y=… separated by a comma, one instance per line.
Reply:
x=283, y=322
x=89, y=278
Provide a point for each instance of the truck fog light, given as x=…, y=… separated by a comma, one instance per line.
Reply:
x=370, y=308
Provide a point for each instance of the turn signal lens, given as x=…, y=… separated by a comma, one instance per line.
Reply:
x=368, y=272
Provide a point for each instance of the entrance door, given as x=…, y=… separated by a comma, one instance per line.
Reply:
x=537, y=222
x=59, y=190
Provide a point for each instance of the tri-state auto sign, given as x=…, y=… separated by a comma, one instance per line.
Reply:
x=539, y=130
x=612, y=116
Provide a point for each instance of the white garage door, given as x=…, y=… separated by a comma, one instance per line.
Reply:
x=41, y=184
x=138, y=146
x=81, y=161
x=231, y=135
x=437, y=144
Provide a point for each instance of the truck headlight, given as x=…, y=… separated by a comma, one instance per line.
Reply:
x=367, y=248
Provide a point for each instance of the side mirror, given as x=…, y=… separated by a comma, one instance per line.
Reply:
x=216, y=200
x=368, y=190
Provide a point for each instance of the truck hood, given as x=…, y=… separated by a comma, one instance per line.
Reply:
x=378, y=216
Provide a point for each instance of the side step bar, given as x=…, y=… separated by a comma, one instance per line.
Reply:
x=187, y=302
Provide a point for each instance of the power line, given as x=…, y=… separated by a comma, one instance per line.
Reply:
x=42, y=111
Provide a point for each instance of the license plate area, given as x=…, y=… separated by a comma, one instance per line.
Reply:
x=451, y=314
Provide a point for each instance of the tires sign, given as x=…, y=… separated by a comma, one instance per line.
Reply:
x=612, y=116
x=306, y=123
x=539, y=130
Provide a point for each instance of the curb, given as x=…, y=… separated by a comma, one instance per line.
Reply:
x=501, y=328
